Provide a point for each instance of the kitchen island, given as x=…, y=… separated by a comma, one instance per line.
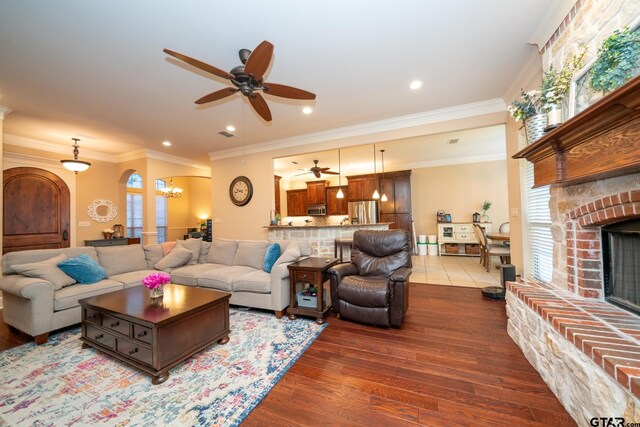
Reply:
x=320, y=237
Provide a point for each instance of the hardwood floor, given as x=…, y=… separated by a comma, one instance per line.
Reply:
x=452, y=363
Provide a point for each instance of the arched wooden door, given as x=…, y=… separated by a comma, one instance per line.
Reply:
x=36, y=210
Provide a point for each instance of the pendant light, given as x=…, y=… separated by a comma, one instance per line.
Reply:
x=340, y=194
x=384, y=195
x=75, y=165
x=171, y=191
x=375, y=195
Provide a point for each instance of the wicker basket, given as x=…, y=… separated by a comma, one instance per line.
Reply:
x=451, y=248
x=472, y=249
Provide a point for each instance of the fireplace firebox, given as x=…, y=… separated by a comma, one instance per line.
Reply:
x=621, y=264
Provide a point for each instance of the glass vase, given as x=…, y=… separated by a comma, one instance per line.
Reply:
x=157, y=292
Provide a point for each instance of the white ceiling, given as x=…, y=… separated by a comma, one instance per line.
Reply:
x=96, y=68
x=483, y=144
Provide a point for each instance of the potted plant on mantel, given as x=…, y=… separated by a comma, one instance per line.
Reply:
x=528, y=110
x=555, y=88
x=618, y=61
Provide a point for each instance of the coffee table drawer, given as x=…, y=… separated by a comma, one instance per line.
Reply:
x=142, y=333
x=115, y=324
x=92, y=316
x=100, y=337
x=135, y=351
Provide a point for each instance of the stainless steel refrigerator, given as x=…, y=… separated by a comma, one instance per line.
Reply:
x=363, y=212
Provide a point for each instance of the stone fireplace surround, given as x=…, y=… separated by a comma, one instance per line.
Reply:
x=587, y=350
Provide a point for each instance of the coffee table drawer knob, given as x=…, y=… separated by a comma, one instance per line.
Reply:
x=115, y=324
x=98, y=337
x=142, y=334
x=133, y=351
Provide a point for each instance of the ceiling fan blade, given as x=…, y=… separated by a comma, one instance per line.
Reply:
x=300, y=174
x=330, y=173
x=317, y=174
x=219, y=94
x=260, y=105
x=199, y=64
x=287, y=91
x=259, y=60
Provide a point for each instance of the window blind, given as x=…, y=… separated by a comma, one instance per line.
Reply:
x=161, y=218
x=539, y=229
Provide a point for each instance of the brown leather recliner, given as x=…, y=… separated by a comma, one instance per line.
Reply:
x=374, y=287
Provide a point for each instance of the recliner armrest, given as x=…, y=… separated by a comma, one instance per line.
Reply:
x=339, y=271
x=401, y=275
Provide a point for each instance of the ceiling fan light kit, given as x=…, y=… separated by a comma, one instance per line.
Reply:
x=75, y=165
x=247, y=79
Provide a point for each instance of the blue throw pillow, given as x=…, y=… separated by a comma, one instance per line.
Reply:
x=270, y=257
x=83, y=269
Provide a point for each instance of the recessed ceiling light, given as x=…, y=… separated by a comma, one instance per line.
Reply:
x=416, y=84
x=231, y=128
x=166, y=143
x=307, y=110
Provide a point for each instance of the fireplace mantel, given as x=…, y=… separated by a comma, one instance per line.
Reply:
x=601, y=142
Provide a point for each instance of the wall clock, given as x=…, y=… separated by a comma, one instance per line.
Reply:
x=241, y=191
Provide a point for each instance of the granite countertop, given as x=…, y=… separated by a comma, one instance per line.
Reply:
x=325, y=226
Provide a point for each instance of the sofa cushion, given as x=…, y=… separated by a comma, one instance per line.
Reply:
x=153, y=254
x=222, y=278
x=175, y=258
x=257, y=281
x=68, y=297
x=303, y=245
x=83, y=269
x=132, y=278
x=188, y=274
x=270, y=257
x=250, y=254
x=37, y=255
x=122, y=259
x=204, y=252
x=222, y=251
x=167, y=247
x=47, y=270
x=194, y=245
x=291, y=254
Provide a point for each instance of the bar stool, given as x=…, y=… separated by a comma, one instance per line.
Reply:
x=340, y=242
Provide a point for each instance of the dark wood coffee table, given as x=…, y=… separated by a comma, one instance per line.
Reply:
x=155, y=335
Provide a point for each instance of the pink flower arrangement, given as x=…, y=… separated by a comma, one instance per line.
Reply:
x=156, y=280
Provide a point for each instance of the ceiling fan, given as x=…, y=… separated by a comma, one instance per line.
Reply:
x=247, y=79
x=317, y=170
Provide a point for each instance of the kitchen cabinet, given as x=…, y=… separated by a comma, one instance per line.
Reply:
x=337, y=206
x=276, y=192
x=297, y=202
x=397, y=208
x=316, y=192
x=361, y=187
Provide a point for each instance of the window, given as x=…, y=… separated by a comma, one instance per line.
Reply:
x=538, y=228
x=134, y=205
x=161, y=211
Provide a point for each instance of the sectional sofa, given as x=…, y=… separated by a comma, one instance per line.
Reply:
x=40, y=300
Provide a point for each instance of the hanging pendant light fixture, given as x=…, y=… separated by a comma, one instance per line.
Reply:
x=375, y=195
x=75, y=165
x=340, y=194
x=384, y=195
x=171, y=191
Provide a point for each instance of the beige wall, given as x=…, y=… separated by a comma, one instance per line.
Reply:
x=460, y=191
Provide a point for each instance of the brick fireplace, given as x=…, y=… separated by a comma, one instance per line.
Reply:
x=586, y=349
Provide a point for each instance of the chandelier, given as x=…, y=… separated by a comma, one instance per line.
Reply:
x=75, y=165
x=171, y=191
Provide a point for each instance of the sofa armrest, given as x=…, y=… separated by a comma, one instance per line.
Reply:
x=26, y=287
x=279, y=287
x=401, y=275
x=338, y=271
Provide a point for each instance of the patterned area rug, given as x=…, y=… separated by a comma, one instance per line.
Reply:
x=59, y=383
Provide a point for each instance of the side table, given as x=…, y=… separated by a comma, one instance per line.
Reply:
x=312, y=271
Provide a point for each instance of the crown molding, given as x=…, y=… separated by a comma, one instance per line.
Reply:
x=152, y=154
x=4, y=111
x=548, y=25
x=531, y=69
x=395, y=123
x=20, y=157
x=35, y=144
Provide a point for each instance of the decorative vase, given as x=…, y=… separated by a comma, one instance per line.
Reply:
x=485, y=217
x=107, y=235
x=534, y=127
x=157, y=292
x=554, y=117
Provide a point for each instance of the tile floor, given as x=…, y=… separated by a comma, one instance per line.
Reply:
x=453, y=271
